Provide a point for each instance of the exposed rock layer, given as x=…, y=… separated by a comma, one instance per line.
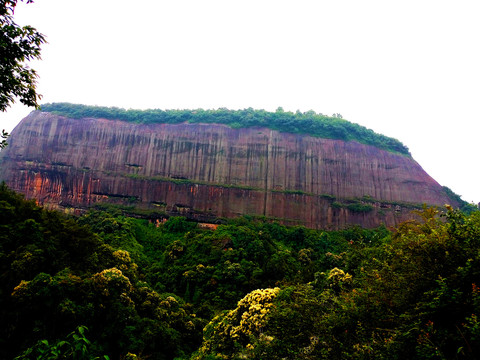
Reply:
x=206, y=171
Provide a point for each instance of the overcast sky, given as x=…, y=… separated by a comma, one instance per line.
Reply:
x=406, y=69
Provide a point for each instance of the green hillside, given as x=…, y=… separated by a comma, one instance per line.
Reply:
x=106, y=286
x=309, y=123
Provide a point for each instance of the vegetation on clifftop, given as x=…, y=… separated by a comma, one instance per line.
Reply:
x=309, y=123
x=464, y=206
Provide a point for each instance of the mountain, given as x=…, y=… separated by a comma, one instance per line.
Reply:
x=205, y=165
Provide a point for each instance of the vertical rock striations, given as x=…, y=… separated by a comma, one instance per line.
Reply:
x=209, y=170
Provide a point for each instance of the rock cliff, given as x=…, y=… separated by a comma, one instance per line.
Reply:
x=206, y=171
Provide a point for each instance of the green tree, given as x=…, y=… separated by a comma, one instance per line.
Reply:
x=17, y=46
x=76, y=346
x=3, y=138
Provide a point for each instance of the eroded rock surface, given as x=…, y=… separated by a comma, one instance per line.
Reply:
x=206, y=171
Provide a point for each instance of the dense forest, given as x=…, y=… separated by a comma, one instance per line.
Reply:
x=108, y=286
x=309, y=122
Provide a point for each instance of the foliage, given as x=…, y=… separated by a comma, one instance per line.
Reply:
x=464, y=206
x=3, y=136
x=76, y=346
x=233, y=331
x=56, y=275
x=412, y=297
x=258, y=289
x=354, y=206
x=309, y=123
x=18, y=45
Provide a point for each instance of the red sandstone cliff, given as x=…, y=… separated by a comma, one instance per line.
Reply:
x=208, y=171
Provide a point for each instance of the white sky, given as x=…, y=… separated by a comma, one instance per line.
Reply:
x=406, y=69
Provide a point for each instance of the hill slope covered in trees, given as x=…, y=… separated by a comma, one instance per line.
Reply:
x=112, y=286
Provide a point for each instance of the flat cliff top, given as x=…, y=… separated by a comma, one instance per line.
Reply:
x=309, y=123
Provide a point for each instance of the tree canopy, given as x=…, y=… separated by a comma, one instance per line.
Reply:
x=104, y=285
x=309, y=123
x=18, y=44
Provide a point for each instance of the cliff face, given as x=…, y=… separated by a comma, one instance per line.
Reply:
x=205, y=171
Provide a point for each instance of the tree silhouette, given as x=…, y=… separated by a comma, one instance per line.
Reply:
x=18, y=45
